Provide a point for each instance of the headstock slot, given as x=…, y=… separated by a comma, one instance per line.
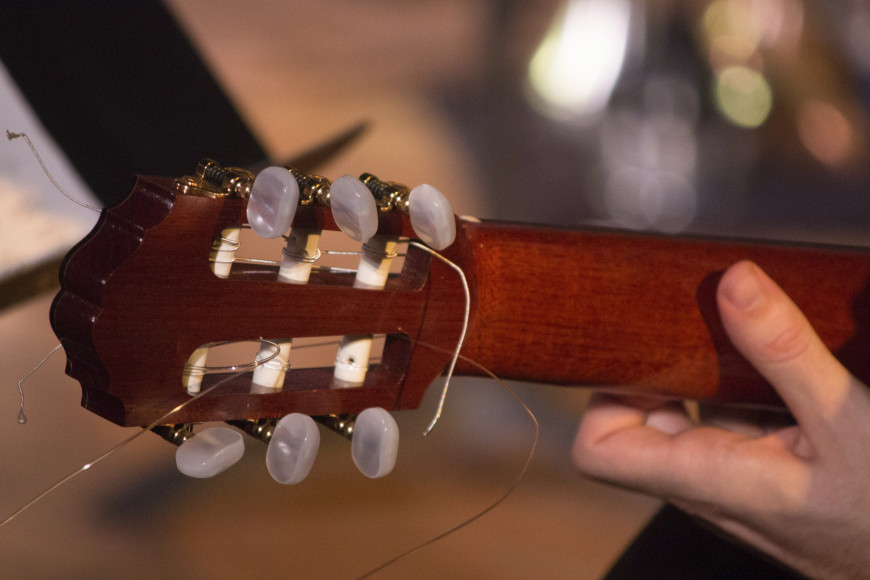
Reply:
x=308, y=352
x=309, y=381
x=257, y=258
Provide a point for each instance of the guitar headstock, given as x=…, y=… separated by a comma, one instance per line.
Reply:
x=149, y=286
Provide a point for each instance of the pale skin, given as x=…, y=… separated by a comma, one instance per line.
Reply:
x=800, y=493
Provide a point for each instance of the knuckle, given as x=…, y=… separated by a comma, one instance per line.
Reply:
x=788, y=340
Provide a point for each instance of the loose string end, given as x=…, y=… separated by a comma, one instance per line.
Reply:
x=461, y=340
x=13, y=135
x=22, y=418
x=498, y=501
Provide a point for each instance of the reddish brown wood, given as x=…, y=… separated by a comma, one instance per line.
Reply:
x=638, y=313
x=598, y=309
x=138, y=297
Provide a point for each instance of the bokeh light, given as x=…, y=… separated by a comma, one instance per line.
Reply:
x=825, y=132
x=743, y=96
x=574, y=70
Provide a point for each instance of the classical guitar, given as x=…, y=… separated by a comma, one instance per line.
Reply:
x=155, y=282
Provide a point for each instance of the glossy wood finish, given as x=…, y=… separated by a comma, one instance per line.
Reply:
x=600, y=309
x=137, y=297
x=638, y=313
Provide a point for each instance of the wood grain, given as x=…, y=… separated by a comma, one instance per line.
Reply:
x=588, y=308
x=137, y=297
x=637, y=312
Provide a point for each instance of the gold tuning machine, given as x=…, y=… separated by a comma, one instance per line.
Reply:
x=175, y=434
x=341, y=424
x=261, y=429
x=213, y=180
x=389, y=195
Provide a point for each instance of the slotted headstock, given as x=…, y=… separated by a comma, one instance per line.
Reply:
x=138, y=296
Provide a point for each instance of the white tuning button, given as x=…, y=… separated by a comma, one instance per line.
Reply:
x=354, y=208
x=432, y=216
x=293, y=448
x=210, y=452
x=375, y=442
x=273, y=201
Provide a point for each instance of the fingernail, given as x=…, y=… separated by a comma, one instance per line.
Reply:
x=744, y=288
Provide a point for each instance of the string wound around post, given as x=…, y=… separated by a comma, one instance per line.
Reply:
x=196, y=369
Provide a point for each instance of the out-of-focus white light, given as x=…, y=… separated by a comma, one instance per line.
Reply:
x=574, y=70
x=643, y=199
x=649, y=157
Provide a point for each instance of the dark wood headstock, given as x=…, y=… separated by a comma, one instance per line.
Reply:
x=138, y=297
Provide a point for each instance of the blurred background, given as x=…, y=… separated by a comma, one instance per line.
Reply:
x=729, y=117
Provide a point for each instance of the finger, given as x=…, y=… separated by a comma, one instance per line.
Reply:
x=616, y=443
x=621, y=442
x=770, y=331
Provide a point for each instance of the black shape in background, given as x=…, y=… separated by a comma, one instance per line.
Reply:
x=121, y=90
x=675, y=546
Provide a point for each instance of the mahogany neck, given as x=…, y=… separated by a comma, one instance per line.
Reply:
x=638, y=312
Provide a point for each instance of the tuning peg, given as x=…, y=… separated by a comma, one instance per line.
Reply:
x=375, y=442
x=354, y=208
x=432, y=216
x=293, y=448
x=210, y=452
x=273, y=201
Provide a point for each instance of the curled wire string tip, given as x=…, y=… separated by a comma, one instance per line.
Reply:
x=461, y=340
x=431, y=425
x=22, y=418
x=10, y=135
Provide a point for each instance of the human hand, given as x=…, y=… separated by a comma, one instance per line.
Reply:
x=798, y=493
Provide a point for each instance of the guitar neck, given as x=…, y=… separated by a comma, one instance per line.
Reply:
x=638, y=312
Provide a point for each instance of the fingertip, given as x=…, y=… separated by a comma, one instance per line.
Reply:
x=604, y=414
x=760, y=318
x=743, y=287
x=578, y=452
x=611, y=419
x=587, y=432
